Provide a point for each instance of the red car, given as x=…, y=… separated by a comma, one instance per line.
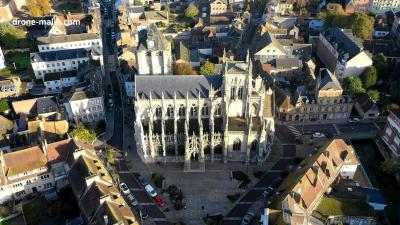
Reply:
x=160, y=202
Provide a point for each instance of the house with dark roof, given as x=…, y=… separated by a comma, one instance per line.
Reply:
x=365, y=106
x=55, y=82
x=59, y=61
x=342, y=53
x=36, y=107
x=324, y=101
x=85, y=106
x=391, y=133
x=98, y=198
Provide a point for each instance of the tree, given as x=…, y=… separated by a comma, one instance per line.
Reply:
x=81, y=132
x=303, y=11
x=381, y=64
x=353, y=85
x=389, y=167
x=45, y=7
x=208, y=68
x=191, y=11
x=363, y=25
x=39, y=7
x=10, y=36
x=183, y=69
x=374, y=94
x=369, y=77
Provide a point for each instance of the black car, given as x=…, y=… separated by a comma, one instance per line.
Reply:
x=143, y=180
x=268, y=192
x=276, y=182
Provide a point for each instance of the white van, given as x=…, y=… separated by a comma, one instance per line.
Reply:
x=150, y=190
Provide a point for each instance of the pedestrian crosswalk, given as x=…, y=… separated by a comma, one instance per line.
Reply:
x=294, y=131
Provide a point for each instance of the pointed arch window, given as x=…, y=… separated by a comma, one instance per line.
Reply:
x=182, y=110
x=159, y=112
x=193, y=110
x=204, y=110
x=236, y=144
x=170, y=111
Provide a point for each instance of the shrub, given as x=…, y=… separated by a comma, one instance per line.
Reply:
x=233, y=198
x=241, y=176
x=157, y=179
x=258, y=174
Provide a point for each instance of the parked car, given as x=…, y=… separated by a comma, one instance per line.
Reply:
x=353, y=120
x=143, y=180
x=132, y=200
x=318, y=135
x=124, y=188
x=276, y=181
x=143, y=213
x=150, y=190
x=268, y=192
x=247, y=218
x=160, y=202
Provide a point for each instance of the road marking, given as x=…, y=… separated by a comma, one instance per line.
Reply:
x=376, y=125
x=294, y=130
x=336, y=128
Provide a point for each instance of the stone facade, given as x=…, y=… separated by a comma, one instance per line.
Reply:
x=326, y=103
x=224, y=117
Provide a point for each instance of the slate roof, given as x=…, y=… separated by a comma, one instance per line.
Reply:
x=53, y=39
x=287, y=63
x=328, y=81
x=236, y=67
x=46, y=105
x=344, y=42
x=179, y=84
x=59, y=55
x=59, y=75
x=365, y=102
x=152, y=33
x=264, y=40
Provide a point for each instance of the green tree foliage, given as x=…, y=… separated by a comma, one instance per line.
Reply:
x=10, y=36
x=374, y=94
x=303, y=11
x=208, y=68
x=183, y=69
x=353, y=85
x=39, y=7
x=81, y=132
x=191, y=11
x=381, y=64
x=389, y=167
x=4, y=105
x=363, y=25
x=369, y=77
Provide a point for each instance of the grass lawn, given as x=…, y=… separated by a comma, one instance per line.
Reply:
x=21, y=59
x=6, y=73
x=371, y=160
x=33, y=211
x=70, y=6
x=19, y=220
x=332, y=207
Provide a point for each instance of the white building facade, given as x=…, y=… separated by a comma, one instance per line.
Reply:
x=382, y=6
x=2, y=60
x=85, y=106
x=60, y=61
x=153, y=55
x=197, y=118
x=73, y=41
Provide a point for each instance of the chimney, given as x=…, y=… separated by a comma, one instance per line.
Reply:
x=90, y=179
x=77, y=153
x=105, y=198
x=105, y=217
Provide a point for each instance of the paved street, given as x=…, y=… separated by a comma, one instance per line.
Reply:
x=311, y=128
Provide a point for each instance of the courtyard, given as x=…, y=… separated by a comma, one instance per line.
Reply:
x=205, y=193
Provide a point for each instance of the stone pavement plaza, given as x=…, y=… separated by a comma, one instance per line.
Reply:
x=208, y=189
